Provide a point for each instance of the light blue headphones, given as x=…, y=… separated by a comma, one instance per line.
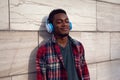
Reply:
x=50, y=27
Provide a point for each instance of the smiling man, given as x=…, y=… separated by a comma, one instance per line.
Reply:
x=61, y=58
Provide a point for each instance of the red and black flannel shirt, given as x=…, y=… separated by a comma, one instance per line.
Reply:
x=49, y=61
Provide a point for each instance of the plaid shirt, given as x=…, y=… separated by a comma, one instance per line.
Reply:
x=49, y=61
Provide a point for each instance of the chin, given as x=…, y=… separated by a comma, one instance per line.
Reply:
x=64, y=35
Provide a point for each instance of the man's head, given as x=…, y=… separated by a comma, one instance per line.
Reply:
x=59, y=19
x=53, y=13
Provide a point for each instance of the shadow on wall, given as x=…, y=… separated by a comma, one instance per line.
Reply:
x=32, y=64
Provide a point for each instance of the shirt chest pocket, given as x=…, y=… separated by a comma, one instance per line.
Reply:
x=53, y=63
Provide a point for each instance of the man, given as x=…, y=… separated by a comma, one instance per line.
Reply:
x=61, y=58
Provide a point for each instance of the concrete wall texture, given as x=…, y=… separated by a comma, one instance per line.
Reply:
x=96, y=23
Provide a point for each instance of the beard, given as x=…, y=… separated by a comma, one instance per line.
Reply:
x=63, y=35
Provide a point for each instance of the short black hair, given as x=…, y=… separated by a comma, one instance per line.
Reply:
x=54, y=12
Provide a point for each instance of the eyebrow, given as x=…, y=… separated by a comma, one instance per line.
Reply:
x=65, y=19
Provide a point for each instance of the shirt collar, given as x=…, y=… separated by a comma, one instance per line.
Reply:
x=53, y=39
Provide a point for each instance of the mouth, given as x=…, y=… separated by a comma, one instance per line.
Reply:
x=64, y=29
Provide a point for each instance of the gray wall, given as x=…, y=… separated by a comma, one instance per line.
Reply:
x=96, y=23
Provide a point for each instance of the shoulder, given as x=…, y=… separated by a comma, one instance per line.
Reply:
x=43, y=48
x=76, y=42
x=79, y=46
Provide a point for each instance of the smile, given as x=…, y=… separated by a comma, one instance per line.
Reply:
x=64, y=29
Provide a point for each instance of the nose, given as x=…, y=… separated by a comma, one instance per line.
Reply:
x=65, y=23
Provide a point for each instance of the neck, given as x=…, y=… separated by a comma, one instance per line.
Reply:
x=62, y=41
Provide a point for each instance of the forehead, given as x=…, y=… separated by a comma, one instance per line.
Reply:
x=60, y=16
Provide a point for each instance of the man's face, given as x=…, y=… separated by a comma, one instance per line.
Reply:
x=61, y=24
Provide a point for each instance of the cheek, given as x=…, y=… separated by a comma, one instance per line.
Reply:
x=57, y=27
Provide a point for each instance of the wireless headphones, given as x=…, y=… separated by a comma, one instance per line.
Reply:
x=50, y=27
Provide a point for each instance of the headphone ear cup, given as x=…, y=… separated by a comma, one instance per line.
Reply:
x=70, y=24
x=49, y=27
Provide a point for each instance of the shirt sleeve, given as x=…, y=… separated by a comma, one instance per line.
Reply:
x=85, y=71
x=40, y=65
